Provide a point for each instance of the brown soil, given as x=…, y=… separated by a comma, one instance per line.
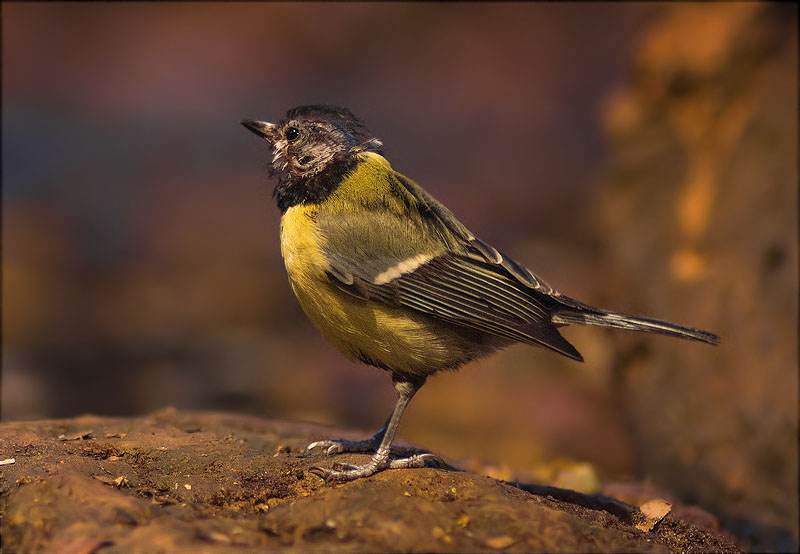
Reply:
x=211, y=482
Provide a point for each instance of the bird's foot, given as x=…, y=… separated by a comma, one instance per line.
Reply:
x=340, y=446
x=341, y=473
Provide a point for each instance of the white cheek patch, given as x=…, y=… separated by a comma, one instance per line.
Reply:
x=279, y=150
x=406, y=266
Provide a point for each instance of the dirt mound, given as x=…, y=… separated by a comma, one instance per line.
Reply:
x=191, y=482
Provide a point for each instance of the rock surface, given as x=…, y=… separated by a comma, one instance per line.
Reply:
x=211, y=482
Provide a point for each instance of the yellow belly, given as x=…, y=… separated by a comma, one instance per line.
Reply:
x=393, y=338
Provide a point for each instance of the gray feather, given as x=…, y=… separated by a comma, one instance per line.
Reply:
x=606, y=318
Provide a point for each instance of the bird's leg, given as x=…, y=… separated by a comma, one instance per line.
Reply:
x=381, y=459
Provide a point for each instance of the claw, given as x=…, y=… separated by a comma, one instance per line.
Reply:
x=321, y=472
x=418, y=460
x=334, y=475
x=340, y=446
x=331, y=447
x=341, y=472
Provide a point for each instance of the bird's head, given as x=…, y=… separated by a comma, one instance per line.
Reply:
x=312, y=140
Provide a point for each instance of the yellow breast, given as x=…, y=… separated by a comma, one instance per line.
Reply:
x=300, y=244
x=388, y=337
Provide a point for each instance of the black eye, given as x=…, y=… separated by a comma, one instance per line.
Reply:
x=292, y=133
x=305, y=159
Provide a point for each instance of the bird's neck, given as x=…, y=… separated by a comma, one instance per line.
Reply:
x=314, y=189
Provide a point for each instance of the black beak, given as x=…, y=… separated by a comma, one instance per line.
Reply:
x=265, y=130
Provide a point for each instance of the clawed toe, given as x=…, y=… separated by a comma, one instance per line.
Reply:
x=316, y=444
x=321, y=472
x=418, y=460
x=340, y=446
x=330, y=447
x=341, y=472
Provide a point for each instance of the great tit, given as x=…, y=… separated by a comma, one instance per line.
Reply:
x=394, y=280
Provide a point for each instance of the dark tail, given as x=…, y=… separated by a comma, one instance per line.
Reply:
x=605, y=318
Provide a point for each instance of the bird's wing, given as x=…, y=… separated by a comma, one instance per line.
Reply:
x=471, y=284
x=475, y=246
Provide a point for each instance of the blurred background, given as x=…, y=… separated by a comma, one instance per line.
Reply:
x=641, y=157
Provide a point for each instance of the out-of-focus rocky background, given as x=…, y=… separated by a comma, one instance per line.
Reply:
x=703, y=172
x=641, y=157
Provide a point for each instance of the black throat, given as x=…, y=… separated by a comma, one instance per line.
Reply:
x=315, y=189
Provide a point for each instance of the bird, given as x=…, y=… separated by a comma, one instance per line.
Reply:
x=392, y=279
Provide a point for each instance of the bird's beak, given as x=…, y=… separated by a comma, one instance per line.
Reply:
x=267, y=131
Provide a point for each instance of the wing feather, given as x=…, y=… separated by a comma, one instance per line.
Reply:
x=470, y=293
x=429, y=207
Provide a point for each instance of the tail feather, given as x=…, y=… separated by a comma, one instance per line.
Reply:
x=606, y=318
